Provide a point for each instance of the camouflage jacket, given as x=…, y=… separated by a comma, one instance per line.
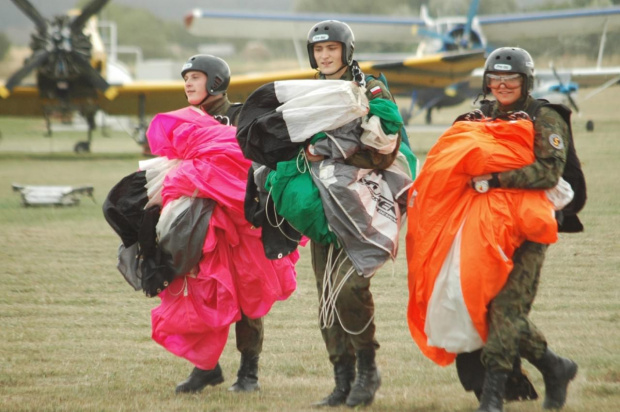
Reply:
x=550, y=148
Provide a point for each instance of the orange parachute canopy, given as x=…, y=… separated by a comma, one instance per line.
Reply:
x=448, y=220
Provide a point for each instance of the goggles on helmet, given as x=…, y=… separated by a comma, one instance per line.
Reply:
x=511, y=81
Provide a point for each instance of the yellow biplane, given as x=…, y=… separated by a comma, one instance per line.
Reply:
x=70, y=65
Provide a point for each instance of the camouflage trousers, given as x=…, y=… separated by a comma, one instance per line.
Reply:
x=249, y=334
x=511, y=332
x=353, y=328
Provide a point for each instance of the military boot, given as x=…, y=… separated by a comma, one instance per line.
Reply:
x=492, y=398
x=367, y=381
x=247, y=375
x=344, y=375
x=557, y=373
x=200, y=378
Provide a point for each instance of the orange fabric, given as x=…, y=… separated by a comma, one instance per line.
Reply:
x=441, y=200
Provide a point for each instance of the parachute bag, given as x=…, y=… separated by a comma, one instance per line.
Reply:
x=156, y=274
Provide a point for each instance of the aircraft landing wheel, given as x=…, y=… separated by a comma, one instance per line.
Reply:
x=590, y=125
x=82, y=147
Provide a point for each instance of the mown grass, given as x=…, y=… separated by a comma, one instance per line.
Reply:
x=76, y=337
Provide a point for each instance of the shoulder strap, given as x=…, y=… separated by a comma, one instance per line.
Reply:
x=486, y=106
x=233, y=112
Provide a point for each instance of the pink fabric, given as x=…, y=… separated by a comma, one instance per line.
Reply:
x=194, y=316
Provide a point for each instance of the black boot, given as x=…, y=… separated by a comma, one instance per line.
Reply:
x=344, y=375
x=557, y=373
x=200, y=378
x=492, y=399
x=368, y=379
x=247, y=375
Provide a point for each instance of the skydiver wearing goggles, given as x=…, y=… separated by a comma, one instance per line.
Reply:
x=509, y=77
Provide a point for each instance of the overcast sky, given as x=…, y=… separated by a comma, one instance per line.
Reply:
x=18, y=27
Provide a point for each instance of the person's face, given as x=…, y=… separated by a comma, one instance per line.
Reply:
x=195, y=87
x=328, y=56
x=506, y=87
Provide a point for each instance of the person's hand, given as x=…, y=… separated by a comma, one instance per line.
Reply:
x=483, y=183
x=311, y=156
x=193, y=273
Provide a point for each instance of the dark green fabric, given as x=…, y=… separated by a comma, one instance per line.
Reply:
x=412, y=160
x=403, y=131
x=391, y=121
x=297, y=199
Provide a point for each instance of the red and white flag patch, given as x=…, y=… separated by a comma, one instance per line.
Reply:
x=375, y=90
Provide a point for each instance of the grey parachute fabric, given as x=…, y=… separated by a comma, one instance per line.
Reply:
x=365, y=209
x=184, y=238
x=180, y=234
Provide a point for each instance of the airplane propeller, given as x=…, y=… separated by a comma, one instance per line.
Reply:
x=92, y=8
x=33, y=62
x=459, y=37
x=466, y=39
x=33, y=14
x=565, y=89
x=60, y=50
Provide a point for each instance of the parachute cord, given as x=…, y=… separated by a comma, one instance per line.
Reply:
x=328, y=311
x=281, y=222
x=301, y=156
x=183, y=288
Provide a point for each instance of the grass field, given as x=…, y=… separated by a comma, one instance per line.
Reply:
x=76, y=337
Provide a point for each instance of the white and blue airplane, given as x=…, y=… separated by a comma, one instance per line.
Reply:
x=470, y=32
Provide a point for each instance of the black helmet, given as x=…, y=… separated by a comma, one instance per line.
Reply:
x=331, y=30
x=216, y=69
x=510, y=60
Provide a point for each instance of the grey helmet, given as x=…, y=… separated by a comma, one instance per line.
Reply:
x=216, y=69
x=331, y=30
x=510, y=60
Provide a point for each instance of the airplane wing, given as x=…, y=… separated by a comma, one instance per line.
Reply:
x=500, y=29
x=225, y=24
x=154, y=97
x=551, y=23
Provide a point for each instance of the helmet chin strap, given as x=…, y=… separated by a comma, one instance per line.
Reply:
x=204, y=100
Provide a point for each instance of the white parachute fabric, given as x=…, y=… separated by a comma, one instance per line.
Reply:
x=156, y=170
x=560, y=195
x=375, y=137
x=310, y=107
x=448, y=324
